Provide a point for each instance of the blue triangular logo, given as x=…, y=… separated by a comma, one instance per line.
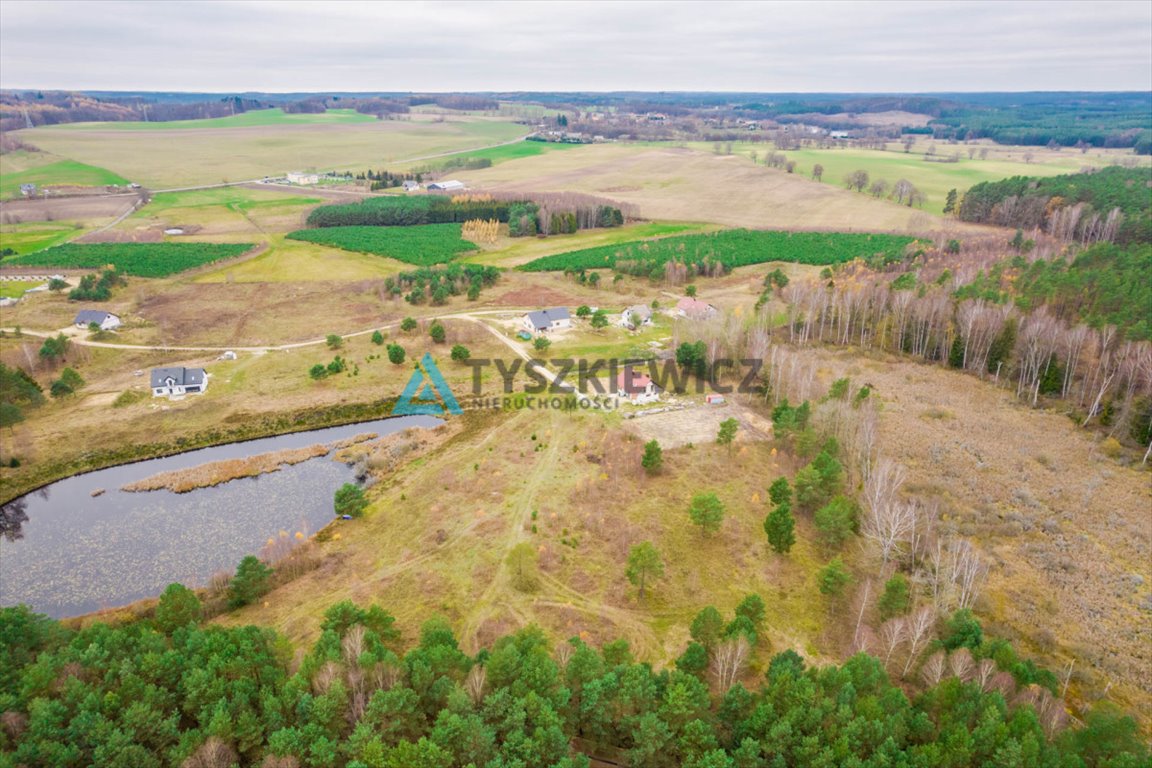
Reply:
x=428, y=382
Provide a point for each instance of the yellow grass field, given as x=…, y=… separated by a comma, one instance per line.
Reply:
x=680, y=184
x=184, y=157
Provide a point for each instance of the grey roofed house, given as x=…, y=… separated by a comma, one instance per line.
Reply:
x=106, y=320
x=636, y=315
x=178, y=381
x=544, y=319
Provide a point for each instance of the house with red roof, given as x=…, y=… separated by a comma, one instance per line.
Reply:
x=636, y=387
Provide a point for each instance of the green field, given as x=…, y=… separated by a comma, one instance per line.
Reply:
x=733, y=248
x=62, y=172
x=517, y=151
x=933, y=179
x=138, y=259
x=33, y=236
x=16, y=288
x=422, y=245
x=256, y=117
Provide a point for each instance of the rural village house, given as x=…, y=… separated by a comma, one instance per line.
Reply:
x=106, y=320
x=411, y=186
x=173, y=382
x=635, y=316
x=296, y=177
x=636, y=387
x=695, y=309
x=446, y=186
x=544, y=320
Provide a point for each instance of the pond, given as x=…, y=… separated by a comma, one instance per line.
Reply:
x=65, y=552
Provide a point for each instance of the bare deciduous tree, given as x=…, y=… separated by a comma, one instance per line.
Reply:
x=919, y=632
x=887, y=521
x=729, y=661
x=932, y=672
x=474, y=683
x=893, y=633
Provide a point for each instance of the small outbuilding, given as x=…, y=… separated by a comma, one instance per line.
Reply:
x=174, y=382
x=106, y=320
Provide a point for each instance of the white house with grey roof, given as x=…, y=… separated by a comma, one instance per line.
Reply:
x=106, y=320
x=544, y=320
x=635, y=316
x=175, y=382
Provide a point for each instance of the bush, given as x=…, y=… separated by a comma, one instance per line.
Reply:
x=834, y=577
x=250, y=582
x=437, y=332
x=541, y=343
x=350, y=500
x=836, y=520
x=178, y=607
x=707, y=511
x=395, y=354
x=653, y=458
x=408, y=324
x=318, y=371
x=460, y=353
x=963, y=631
x=895, y=600
x=334, y=341
x=377, y=338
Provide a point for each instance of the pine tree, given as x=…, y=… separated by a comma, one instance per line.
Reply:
x=780, y=527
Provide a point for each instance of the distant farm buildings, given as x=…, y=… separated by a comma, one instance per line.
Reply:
x=297, y=177
x=174, y=382
x=106, y=320
x=446, y=186
x=411, y=186
x=544, y=320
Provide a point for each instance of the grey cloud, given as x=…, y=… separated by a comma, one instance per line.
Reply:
x=787, y=46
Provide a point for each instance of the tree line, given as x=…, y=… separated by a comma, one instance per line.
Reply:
x=1109, y=205
x=1104, y=375
x=172, y=691
x=543, y=214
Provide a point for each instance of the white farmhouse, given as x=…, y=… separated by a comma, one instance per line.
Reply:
x=106, y=320
x=544, y=320
x=174, y=382
x=635, y=316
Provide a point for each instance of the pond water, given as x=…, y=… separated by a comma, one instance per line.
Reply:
x=65, y=552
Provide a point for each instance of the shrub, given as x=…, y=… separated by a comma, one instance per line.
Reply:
x=834, y=577
x=350, y=500
x=250, y=582
x=177, y=608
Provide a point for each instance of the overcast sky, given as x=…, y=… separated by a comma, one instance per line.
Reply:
x=562, y=46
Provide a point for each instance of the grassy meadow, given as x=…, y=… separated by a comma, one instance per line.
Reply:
x=167, y=158
x=250, y=119
x=34, y=236
x=933, y=179
x=57, y=173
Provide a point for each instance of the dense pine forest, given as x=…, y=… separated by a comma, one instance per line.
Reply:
x=171, y=692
